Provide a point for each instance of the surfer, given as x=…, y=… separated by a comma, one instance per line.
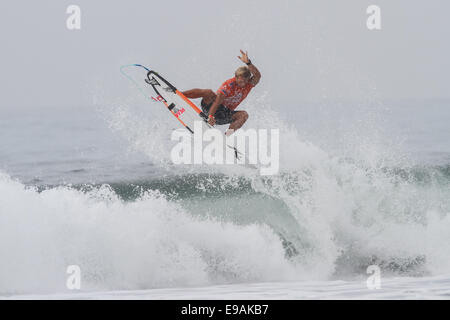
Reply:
x=220, y=106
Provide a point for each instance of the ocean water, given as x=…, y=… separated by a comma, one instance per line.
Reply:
x=359, y=184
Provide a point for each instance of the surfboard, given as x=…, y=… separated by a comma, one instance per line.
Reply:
x=157, y=88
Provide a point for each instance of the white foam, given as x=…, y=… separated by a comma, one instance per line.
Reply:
x=147, y=243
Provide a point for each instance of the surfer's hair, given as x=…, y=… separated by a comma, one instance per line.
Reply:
x=243, y=72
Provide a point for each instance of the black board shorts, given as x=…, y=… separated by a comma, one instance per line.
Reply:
x=223, y=114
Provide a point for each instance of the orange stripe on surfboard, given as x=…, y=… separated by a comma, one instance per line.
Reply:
x=188, y=102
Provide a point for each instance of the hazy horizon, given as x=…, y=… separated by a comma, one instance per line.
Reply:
x=306, y=51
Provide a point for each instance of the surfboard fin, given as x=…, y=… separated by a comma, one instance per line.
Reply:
x=237, y=153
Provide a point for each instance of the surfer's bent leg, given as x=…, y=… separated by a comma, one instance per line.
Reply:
x=239, y=119
x=207, y=94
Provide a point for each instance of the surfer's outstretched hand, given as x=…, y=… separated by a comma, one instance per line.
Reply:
x=244, y=57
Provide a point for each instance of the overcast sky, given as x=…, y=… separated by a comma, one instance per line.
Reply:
x=305, y=50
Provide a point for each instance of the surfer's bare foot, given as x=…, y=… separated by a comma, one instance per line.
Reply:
x=229, y=132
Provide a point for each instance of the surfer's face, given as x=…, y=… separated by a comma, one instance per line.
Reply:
x=242, y=81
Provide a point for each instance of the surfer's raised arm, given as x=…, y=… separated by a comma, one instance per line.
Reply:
x=256, y=75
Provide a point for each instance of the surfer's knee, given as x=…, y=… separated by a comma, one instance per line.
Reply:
x=240, y=116
x=209, y=96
